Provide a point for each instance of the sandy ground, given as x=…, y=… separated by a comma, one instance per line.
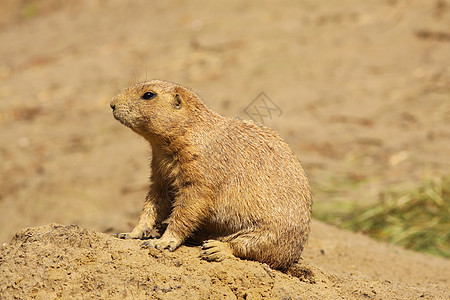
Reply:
x=57, y=261
x=362, y=93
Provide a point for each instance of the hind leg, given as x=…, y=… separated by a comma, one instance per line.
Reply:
x=278, y=250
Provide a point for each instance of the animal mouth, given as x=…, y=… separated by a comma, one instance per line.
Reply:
x=120, y=120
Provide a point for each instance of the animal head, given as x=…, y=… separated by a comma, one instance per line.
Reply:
x=157, y=109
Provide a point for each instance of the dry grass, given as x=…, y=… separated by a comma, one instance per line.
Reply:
x=418, y=219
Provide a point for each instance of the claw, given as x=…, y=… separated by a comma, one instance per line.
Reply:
x=145, y=245
x=161, y=244
x=122, y=236
x=216, y=251
x=136, y=234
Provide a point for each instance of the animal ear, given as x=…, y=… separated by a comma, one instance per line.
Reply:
x=178, y=101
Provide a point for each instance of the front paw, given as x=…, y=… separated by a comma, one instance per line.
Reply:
x=138, y=234
x=163, y=243
x=124, y=235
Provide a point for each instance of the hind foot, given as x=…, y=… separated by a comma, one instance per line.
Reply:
x=216, y=251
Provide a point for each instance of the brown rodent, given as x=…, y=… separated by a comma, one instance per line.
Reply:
x=235, y=185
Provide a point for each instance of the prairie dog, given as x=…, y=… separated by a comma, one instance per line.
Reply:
x=235, y=185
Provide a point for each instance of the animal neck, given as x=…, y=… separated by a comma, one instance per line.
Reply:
x=168, y=146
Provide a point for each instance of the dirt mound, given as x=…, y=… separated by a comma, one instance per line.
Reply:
x=56, y=261
x=364, y=92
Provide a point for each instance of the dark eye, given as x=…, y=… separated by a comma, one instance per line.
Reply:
x=148, y=95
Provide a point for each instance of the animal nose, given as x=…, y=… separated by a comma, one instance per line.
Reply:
x=113, y=106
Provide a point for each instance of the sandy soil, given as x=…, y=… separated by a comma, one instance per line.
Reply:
x=363, y=92
x=57, y=261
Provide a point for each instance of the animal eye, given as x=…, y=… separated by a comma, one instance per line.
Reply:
x=148, y=95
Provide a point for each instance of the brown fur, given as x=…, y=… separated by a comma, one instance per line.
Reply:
x=234, y=182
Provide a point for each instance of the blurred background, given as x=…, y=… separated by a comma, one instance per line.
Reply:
x=359, y=90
